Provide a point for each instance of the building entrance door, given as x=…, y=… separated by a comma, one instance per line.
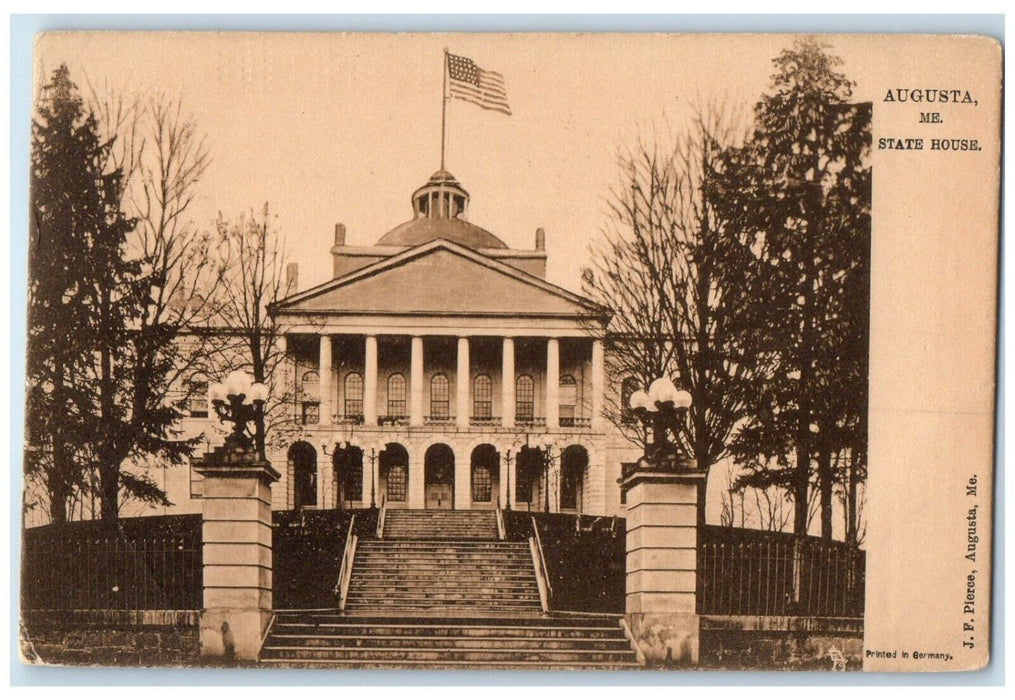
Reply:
x=439, y=473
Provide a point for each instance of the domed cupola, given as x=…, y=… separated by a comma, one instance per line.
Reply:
x=438, y=212
x=442, y=197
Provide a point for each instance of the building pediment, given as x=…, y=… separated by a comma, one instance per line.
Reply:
x=440, y=278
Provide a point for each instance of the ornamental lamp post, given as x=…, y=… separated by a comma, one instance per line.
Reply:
x=238, y=400
x=661, y=409
x=665, y=496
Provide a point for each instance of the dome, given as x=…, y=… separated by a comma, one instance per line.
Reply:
x=438, y=209
x=417, y=231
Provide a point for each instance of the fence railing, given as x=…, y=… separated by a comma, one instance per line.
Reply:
x=84, y=571
x=753, y=572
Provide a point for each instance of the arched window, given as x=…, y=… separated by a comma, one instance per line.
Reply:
x=440, y=397
x=353, y=395
x=627, y=388
x=396, y=396
x=197, y=396
x=525, y=396
x=310, y=394
x=482, y=397
x=568, y=400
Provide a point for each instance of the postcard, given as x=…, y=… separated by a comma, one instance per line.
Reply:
x=605, y=351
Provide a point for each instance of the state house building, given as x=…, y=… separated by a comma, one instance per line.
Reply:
x=439, y=369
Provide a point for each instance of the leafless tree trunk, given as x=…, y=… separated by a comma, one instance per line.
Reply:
x=163, y=158
x=255, y=258
x=659, y=268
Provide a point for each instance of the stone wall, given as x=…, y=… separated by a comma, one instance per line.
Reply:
x=772, y=642
x=111, y=638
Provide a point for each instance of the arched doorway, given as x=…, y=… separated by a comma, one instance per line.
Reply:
x=485, y=475
x=303, y=460
x=439, y=477
x=574, y=461
x=394, y=474
x=529, y=469
x=348, y=464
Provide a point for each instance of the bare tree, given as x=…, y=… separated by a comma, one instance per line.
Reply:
x=255, y=258
x=663, y=268
x=163, y=158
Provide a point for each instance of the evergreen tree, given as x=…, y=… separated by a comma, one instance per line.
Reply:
x=98, y=367
x=799, y=192
x=74, y=219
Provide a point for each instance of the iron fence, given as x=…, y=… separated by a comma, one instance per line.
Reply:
x=753, y=572
x=64, y=570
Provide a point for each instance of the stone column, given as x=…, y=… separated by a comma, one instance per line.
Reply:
x=462, y=382
x=507, y=384
x=662, y=534
x=236, y=536
x=324, y=373
x=552, y=384
x=417, y=486
x=463, y=480
x=370, y=382
x=598, y=383
x=416, y=383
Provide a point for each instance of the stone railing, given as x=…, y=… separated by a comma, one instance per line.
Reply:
x=485, y=422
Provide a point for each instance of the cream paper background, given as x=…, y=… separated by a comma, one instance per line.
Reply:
x=342, y=127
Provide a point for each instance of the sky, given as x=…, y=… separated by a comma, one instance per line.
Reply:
x=332, y=128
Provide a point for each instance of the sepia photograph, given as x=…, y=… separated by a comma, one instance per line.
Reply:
x=509, y=351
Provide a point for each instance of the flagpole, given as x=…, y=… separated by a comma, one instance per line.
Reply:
x=444, y=102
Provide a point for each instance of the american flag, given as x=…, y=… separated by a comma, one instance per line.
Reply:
x=469, y=82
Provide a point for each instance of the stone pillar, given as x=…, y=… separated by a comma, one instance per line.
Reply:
x=598, y=383
x=662, y=536
x=416, y=382
x=507, y=384
x=370, y=382
x=236, y=536
x=463, y=480
x=552, y=384
x=417, y=485
x=324, y=373
x=462, y=383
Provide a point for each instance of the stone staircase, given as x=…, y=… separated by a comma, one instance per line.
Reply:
x=443, y=576
x=487, y=642
x=441, y=591
x=440, y=525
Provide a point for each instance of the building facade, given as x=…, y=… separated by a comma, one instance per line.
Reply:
x=436, y=369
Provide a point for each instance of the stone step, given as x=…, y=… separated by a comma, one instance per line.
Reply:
x=443, y=559
x=444, y=654
x=457, y=666
x=402, y=578
x=442, y=598
x=373, y=605
x=429, y=631
x=470, y=643
x=549, y=621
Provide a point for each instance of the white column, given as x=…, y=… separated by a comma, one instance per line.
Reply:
x=370, y=382
x=417, y=491
x=462, y=408
x=552, y=384
x=463, y=481
x=598, y=383
x=416, y=383
x=324, y=374
x=507, y=385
